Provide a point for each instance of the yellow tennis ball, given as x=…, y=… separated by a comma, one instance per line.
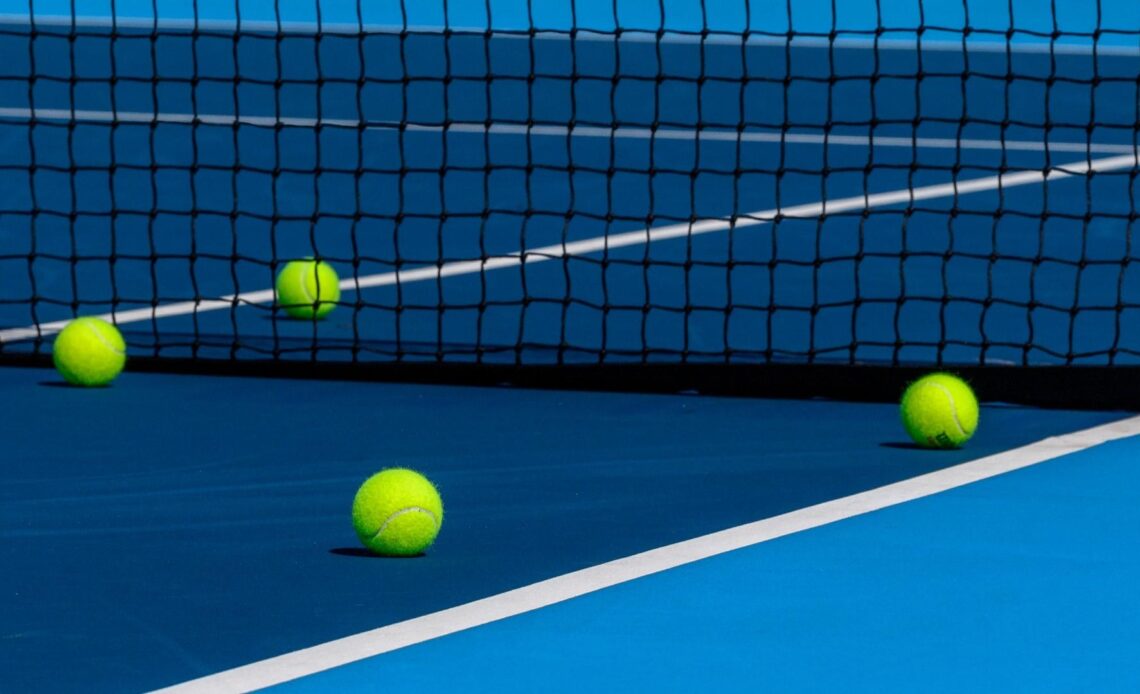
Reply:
x=89, y=352
x=308, y=288
x=940, y=411
x=397, y=512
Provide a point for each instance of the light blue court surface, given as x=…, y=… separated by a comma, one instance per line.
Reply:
x=1030, y=21
x=1026, y=582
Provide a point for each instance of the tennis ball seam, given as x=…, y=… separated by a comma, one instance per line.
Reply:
x=953, y=407
x=99, y=336
x=303, y=284
x=402, y=512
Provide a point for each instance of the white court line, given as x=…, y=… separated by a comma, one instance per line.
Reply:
x=621, y=132
x=326, y=656
x=560, y=251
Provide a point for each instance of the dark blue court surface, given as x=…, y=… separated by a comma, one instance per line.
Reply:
x=171, y=527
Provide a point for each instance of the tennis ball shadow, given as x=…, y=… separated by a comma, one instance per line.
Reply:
x=279, y=316
x=362, y=553
x=71, y=386
x=909, y=446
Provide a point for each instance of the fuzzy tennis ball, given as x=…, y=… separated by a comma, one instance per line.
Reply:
x=940, y=411
x=308, y=288
x=397, y=512
x=89, y=352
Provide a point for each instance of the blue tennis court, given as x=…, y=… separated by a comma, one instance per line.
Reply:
x=856, y=195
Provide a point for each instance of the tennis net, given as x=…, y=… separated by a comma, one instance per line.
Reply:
x=657, y=198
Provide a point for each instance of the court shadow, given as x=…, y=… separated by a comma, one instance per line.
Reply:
x=904, y=445
x=361, y=553
x=65, y=384
x=286, y=320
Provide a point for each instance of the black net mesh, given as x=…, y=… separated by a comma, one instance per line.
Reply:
x=916, y=195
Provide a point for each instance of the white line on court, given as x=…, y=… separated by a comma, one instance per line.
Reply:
x=350, y=649
x=560, y=251
x=620, y=132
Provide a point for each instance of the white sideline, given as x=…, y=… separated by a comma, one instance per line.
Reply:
x=773, y=136
x=560, y=251
x=367, y=644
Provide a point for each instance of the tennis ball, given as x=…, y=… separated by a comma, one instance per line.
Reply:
x=308, y=288
x=397, y=512
x=89, y=352
x=940, y=411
